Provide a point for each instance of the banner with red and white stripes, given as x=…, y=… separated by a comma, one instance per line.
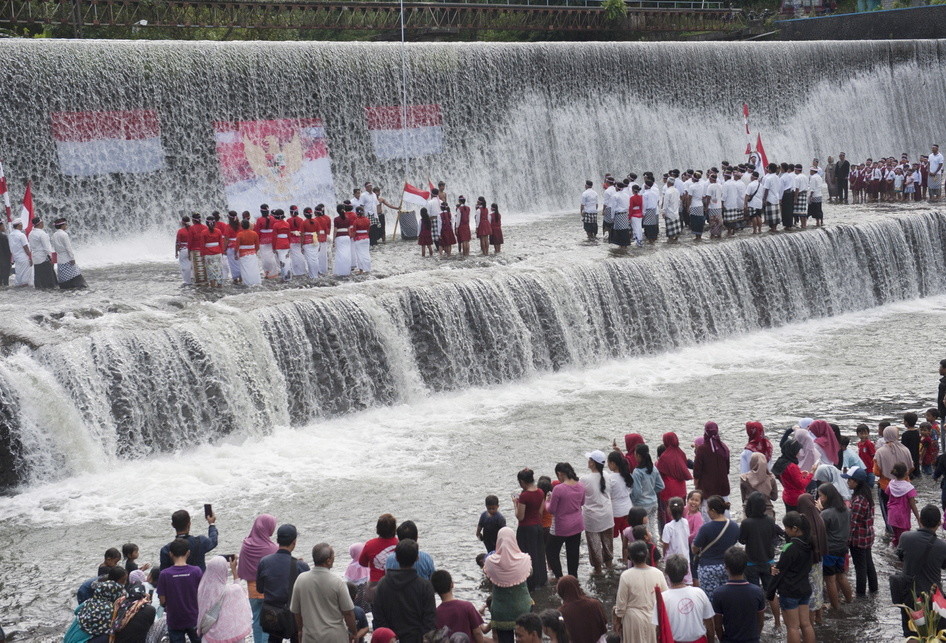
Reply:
x=396, y=134
x=122, y=142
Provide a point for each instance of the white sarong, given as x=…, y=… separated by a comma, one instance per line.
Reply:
x=24, y=272
x=249, y=270
x=311, y=255
x=234, y=262
x=363, y=254
x=342, y=256
x=297, y=260
x=187, y=269
x=323, y=258
x=268, y=259
x=637, y=229
x=285, y=267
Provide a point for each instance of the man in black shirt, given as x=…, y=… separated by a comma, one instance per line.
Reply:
x=923, y=555
x=841, y=171
x=941, y=392
x=910, y=438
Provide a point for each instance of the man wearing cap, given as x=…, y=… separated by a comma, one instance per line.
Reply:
x=69, y=275
x=935, y=174
x=296, y=260
x=321, y=603
x=276, y=575
x=22, y=256
x=815, y=195
x=5, y=257
x=180, y=251
x=44, y=275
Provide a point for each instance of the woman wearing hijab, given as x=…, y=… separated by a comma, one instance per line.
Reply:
x=826, y=473
x=886, y=457
x=223, y=611
x=258, y=544
x=711, y=466
x=94, y=616
x=794, y=479
x=508, y=569
x=631, y=440
x=357, y=575
x=133, y=615
x=760, y=479
x=584, y=616
x=818, y=539
x=826, y=442
x=758, y=443
x=808, y=455
x=672, y=465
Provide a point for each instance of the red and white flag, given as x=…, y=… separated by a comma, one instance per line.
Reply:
x=415, y=196
x=761, y=151
x=26, y=212
x=119, y=142
x=277, y=162
x=745, y=117
x=398, y=134
x=938, y=603
x=6, y=195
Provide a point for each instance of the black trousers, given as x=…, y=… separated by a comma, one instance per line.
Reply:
x=864, y=572
x=572, y=547
x=531, y=541
x=788, y=209
x=5, y=271
x=842, y=189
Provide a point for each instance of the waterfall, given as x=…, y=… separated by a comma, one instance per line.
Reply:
x=235, y=368
x=523, y=124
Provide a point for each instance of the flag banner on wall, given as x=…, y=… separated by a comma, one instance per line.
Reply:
x=394, y=137
x=118, y=142
x=278, y=162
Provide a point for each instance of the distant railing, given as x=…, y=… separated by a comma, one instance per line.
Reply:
x=689, y=5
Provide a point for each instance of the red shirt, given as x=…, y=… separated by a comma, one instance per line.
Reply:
x=862, y=522
x=264, y=228
x=308, y=231
x=637, y=206
x=213, y=242
x=247, y=242
x=794, y=481
x=280, y=235
x=533, y=501
x=323, y=226
x=362, y=224
x=866, y=451
x=295, y=225
x=197, y=233
x=183, y=237
x=375, y=555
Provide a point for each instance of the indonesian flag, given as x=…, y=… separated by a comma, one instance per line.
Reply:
x=6, y=195
x=415, y=196
x=120, y=142
x=761, y=151
x=938, y=603
x=26, y=212
x=277, y=162
x=745, y=117
x=396, y=134
x=663, y=619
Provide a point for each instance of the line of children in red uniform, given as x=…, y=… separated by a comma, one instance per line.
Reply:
x=442, y=233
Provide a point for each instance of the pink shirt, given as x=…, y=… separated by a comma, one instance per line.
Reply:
x=695, y=520
x=565, y=504
x=898, y=507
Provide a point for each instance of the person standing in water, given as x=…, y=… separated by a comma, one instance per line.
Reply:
x=496, y=227
x=483, y=228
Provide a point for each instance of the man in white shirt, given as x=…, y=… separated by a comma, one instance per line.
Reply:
x=22, y=256
x=934, y=179
x=787, y=178
x=755, y=202
x=689, y=609
x=815, y=189
x=714, y=197
x=651, y=204
x=370, y=203
x=69, y=274
x=697, y=200
x=44, y=275
x=589, y=211
x=771, y=196
x=670, y=209
x=433, y=211
x=732, y=204
x=801, y=197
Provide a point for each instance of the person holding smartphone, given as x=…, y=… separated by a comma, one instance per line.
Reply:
x=199, y=545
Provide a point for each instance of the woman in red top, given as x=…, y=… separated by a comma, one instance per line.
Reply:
x=672, y=465
x=483, y=229
x=463, y=226
x=214, y=242
x=794, y=480
x=375, y=554
x=447, y=237
x=529, y=503
x=496, y=226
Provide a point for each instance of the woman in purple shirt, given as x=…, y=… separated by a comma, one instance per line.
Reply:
x=565, y=504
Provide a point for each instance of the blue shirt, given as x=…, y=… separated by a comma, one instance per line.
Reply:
x=272, y=576
x=199, y=546
x=739, y=602
x=490, y=526
x=424, y=566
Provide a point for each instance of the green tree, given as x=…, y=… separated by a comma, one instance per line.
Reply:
x=614, y=10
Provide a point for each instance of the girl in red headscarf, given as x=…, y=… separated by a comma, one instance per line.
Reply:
x=758, y=443
x=631, y=440
x=826, y=441
x=672, y=465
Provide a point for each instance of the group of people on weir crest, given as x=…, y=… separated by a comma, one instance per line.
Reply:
x=274, y=246
x=738, y=196
x=35, y=258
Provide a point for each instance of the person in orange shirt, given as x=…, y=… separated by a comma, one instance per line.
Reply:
x=296, y=260
x=281, y=243
x=180, y=251
x=362, y=241
x=213, y=252
x=323, y=229
x=248, y=245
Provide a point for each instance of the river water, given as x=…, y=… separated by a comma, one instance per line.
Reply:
x=432, y=456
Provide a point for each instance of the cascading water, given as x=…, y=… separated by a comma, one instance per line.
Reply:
x=522, y=124
x=248, y=362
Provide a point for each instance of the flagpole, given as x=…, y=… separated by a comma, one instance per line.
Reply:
x=403, y=113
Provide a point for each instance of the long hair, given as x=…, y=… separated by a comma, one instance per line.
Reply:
x=642, y=451
x=623, y=468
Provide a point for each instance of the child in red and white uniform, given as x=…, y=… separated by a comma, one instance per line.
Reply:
x=264, y=228
x=323, y=228
x=361, y=238
x=309, y=246
x=213, y=252
x=181, y=252
x=233, y=258
x=296, y=260
x=281, y=243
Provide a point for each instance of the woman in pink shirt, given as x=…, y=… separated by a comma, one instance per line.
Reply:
x=565, y=504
